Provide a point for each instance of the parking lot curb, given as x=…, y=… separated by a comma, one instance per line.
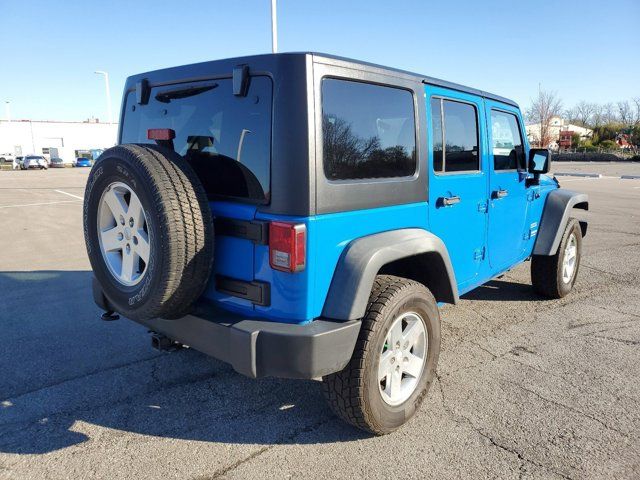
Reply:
x=568, y=174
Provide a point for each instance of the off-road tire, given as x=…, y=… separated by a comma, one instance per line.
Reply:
x=353, y=393
x=546, y=270
x=180, y=224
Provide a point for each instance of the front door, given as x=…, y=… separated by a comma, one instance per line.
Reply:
x=508, y=199
x=457, y=179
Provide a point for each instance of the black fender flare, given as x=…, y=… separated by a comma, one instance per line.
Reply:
x=556, y=214
x=364, y=258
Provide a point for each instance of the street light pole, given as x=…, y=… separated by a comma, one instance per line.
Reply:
x=7, y=109
x=106, y=84
x=274, y=27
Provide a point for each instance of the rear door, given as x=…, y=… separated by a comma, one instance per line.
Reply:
x=509, y=197
x=457, y=179
x=226, y=138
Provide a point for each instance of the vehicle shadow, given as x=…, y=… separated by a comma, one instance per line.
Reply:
x=501, y=290
x=66, y=374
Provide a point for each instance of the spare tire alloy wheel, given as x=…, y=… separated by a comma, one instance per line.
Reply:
x=149, y=231
x=123, y=234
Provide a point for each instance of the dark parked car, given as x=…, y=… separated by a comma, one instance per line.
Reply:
x=56, y=162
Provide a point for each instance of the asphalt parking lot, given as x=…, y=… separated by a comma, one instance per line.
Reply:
x=526, y=388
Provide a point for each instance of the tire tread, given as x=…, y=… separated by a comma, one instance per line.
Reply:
x=345, y=390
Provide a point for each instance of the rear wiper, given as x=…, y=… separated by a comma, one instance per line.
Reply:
x=183, y=92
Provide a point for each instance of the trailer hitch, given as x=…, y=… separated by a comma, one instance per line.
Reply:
x=163, y=343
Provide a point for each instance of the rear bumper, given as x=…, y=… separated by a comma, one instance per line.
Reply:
x=260, y=348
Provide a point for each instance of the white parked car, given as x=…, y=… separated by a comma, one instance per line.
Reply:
x=6, y=158
x=35, y=161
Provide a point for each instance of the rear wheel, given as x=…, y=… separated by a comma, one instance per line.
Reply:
x=554, y=276
x=395, y=359
x=148, y=230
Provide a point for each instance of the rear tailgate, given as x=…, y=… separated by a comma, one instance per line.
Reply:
x=226, y=138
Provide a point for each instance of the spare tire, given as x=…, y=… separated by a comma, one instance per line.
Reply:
x=148, y=230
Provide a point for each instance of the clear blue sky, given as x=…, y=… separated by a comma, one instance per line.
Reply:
x=582, y=49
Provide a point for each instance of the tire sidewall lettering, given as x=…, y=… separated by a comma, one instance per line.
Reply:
x=105, y=175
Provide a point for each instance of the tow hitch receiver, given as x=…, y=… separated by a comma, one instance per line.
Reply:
x=163, y=343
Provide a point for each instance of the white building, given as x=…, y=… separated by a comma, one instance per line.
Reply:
x=69, y=139
x=556, y=125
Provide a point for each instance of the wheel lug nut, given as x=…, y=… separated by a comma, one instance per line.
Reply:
x=131, y=222
x=405, y=359
x=393, y=359
x=121, y=220
x=120, y=236
x=128, y=248
x=135, y=240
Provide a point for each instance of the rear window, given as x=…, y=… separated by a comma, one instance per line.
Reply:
x=225, y=138
x=368, y=131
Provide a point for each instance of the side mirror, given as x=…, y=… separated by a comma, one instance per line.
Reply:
x=539, y=161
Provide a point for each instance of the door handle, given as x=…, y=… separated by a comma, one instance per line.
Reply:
x=448, y=201
x=500, y=193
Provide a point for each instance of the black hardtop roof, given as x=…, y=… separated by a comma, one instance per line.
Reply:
x=319, y=57
x=229, y=63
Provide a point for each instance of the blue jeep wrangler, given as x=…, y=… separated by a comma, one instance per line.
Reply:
x=302, y=215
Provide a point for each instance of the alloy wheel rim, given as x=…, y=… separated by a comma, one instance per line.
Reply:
x=123, y=234
x=402, y=358
x=570, y=259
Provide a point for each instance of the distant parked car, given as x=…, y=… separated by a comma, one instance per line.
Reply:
x=56, y=162
x=83, y=162
x=35, y=161
x=6, y=157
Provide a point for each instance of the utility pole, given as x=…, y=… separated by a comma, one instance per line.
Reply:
x=106, y=84
x=274, y=27
x=7, y=109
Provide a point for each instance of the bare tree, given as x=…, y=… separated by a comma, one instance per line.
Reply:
x=584, y=113
x=571, y=114
x=597, y=117
x=636, y=114
x=625, y=113
x=609, y=113
x=545, y=106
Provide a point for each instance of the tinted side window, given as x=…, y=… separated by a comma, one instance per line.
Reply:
x=461, y=137
x=368, y=131
x=507, y=147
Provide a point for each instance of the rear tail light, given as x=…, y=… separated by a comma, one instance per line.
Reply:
x=161, y=134
x=287, y=246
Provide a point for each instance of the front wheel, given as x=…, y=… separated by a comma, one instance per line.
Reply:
x=394, y=361
x=554, y=276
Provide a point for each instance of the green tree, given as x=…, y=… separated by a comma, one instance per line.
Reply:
x=575, y=139
x=609, y=144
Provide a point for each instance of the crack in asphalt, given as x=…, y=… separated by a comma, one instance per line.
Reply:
x=285, y=439
x=78, y=377
x=568, y=407
x=75, y=412
x=619, y=340
x=457, y=418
